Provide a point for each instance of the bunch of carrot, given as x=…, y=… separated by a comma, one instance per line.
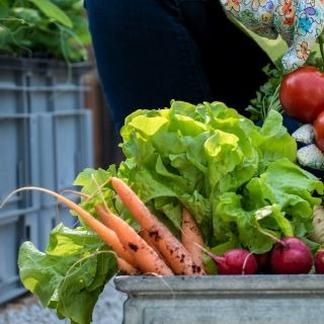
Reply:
x=154, y=250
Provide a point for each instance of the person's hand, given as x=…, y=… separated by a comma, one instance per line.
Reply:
x=300, y=23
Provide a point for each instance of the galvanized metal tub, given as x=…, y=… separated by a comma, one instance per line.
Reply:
x=274, y=299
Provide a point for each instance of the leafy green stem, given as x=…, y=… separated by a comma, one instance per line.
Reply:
x=321, y=45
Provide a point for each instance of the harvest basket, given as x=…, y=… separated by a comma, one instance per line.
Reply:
x=271, y=299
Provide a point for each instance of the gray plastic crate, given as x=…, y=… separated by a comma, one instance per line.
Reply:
x=69, y=90
x=65, y=149
x=35, y=86
x=19, y=160
x=13, y=97
x=13, y=231
x=54, y=89
x=45, y=140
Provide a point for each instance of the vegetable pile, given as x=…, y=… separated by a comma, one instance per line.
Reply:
x=197, y=180
x=298, y=94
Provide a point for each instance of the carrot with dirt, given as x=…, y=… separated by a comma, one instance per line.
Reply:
x=116, y=245
x=148, y=239
x=146, y=259
x=127, y=268
x=167, y=244
x=189, y=236
x=105, y=217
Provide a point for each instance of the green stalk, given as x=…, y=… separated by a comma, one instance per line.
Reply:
x=321, y=45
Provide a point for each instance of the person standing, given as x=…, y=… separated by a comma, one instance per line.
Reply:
x=149, y=52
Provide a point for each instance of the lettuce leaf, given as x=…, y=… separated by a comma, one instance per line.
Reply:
x=71, y=273
x=289, y=186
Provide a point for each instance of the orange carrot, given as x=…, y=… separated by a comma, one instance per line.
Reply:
x=133, y=203
x=118, y=247
x=127, y=268
x=172, y=250
x=116, y=244
x=104, y=215
x=189, y=236
x=107, y=235
x=146, y=237
x=146, y=259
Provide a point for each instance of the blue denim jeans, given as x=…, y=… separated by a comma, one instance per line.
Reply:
x=151, y=51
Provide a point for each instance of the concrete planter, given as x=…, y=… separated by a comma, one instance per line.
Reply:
x=286, y=299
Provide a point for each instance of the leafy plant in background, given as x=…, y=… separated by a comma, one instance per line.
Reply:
x=44, y=28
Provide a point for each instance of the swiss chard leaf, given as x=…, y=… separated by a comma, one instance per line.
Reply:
x=71, y=273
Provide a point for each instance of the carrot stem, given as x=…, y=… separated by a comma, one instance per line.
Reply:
x=77, y=193
x=103, y=232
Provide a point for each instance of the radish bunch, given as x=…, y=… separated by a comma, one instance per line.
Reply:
x=289, y=256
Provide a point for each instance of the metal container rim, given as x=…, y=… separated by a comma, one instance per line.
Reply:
x=219, y=284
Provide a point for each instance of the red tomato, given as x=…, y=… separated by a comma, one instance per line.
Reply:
x=319, y=131
x=302, y=93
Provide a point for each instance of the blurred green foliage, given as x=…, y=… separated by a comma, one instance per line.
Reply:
x=44, y=28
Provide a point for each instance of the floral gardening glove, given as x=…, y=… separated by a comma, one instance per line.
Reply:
x=309, y=156
x=299, y=22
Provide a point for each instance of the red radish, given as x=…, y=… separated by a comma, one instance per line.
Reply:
x=291, y=256
x=236, y=261
x=264, y=262
x=319, y=261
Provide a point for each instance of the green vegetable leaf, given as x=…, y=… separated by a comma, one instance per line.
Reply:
x=52, y=11
x=4, y=8
x=234, y=219
x=55, y=29
x=288, y=186
x=276, y=142
x=30, y=16
x=267, y=97
x=90, y=180
x=71, y=273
